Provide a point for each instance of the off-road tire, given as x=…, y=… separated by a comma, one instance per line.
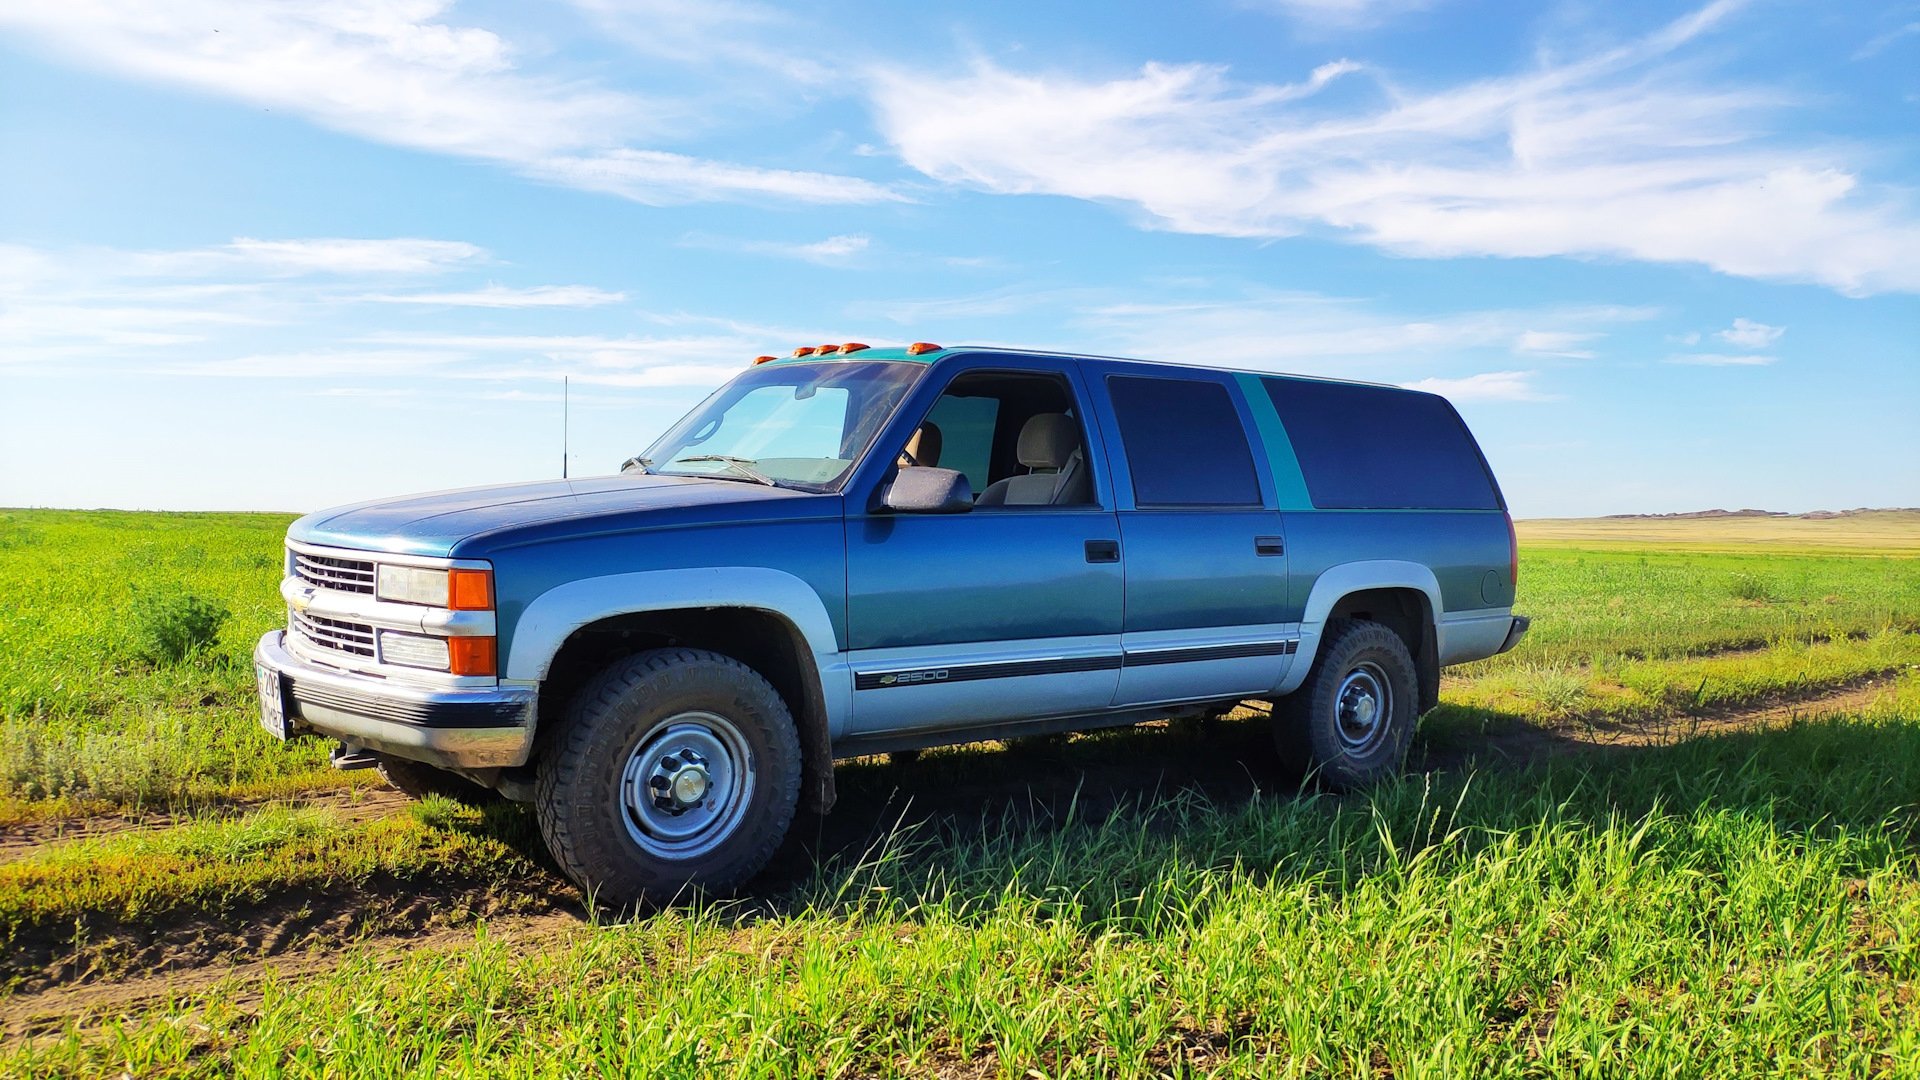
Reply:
x=1306, y=723
x=419, y=780
x=578, y=780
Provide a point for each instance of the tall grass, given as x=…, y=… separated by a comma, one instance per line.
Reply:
x=1737, y=906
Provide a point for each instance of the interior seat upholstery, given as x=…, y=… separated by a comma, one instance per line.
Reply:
x=924, y=448
x=1049, y=448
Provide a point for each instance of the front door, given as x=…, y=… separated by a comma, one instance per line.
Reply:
x=1011, y=610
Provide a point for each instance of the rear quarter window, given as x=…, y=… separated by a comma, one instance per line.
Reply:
x=1377, y=448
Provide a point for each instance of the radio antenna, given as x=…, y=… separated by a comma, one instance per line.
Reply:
x=566, y=407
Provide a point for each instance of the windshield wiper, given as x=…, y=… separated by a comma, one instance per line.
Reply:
x=744, y=466
x=644, y=464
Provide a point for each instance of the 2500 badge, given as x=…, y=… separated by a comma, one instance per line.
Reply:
x=908, y=678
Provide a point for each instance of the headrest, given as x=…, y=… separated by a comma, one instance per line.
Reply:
x=1047, y=440
x=925, y=444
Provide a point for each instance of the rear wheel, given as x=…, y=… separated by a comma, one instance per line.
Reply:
x=421, y=780
x=1353, y=718
x=675, y=771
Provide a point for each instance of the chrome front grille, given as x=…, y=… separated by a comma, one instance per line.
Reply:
x=327, y=572
x=353, y=638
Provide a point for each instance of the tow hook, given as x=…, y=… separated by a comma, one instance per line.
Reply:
x=347, y=758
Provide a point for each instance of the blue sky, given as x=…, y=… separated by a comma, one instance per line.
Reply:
x=285, y=254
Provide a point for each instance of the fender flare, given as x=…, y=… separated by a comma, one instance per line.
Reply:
x=1342, y=580
x=556, y=614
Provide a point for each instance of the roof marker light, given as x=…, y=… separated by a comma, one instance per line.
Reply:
x=758, y=360
x=804, y=350
x=919, y=347
x=852, y=347
x=825, y=349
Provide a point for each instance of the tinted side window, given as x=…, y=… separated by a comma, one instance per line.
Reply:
x=966, y=425
x=1184, y=442
x=1373, y=448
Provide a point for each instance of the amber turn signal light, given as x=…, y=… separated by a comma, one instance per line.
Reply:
x=470, y=590
x=471, y=656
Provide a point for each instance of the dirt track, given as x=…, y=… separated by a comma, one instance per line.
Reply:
x=18, y=841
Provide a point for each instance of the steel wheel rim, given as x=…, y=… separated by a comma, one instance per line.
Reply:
x=686, y=786
x=1363, y=708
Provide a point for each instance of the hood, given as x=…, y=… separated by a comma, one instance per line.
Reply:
x=437, y=523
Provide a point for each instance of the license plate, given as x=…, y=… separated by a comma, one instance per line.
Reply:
x=273, y=712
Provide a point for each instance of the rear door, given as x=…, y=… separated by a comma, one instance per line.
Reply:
x=1206, y=585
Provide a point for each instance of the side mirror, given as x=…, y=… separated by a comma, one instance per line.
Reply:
x=926, y=490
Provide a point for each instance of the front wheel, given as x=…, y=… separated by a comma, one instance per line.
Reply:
x=1352, y=719
x=675, y=771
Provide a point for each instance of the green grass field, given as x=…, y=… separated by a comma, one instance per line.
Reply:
x=1676, y=832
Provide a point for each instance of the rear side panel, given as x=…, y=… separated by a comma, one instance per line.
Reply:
x=1466, y=550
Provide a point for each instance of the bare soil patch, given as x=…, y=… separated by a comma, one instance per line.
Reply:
x=50, y=1009
x=103, y=960
x=350, y=805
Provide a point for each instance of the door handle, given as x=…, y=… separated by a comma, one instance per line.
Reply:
x=1103, y=551
x=1269, y=545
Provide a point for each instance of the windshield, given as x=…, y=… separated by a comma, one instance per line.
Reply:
x=803, y=425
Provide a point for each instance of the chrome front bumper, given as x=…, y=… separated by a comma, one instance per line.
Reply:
x=453, y=729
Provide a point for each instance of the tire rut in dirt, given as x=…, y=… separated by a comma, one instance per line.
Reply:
x=98, y=947
x=353, y=805
x=1522, y=744
x=50, y=1010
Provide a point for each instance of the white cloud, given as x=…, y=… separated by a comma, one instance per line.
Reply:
x=1748, y=334
x=1340, y=13
x=398, y=72
x=833, y=251
x=1721, y=359
x=1328, y=335
x=1486, y=386
x=662, y=179
x=1879, y=44
x=325, y=255
x=61, y=306
x=388, y=70
x=1561, y=343
x=501, y=296
x=597, y=356
x=1619, y=154
x=320, y=364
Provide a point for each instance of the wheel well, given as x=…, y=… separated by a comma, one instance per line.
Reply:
x=1408, y=613
x=762, y=640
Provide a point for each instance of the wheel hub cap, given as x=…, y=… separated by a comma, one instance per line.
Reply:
x=686, y=785
x=679, y=781
x=1364, y=707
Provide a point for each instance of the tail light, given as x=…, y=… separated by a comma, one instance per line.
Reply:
x=1513, y=550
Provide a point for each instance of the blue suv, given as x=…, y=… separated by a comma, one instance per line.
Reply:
x=857, y=550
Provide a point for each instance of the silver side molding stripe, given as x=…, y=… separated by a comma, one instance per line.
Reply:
x=1060, y=665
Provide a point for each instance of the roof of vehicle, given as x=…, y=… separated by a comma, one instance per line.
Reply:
x=898, y=353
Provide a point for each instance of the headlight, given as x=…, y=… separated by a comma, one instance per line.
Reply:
x=413, y=585
x=413, y=650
